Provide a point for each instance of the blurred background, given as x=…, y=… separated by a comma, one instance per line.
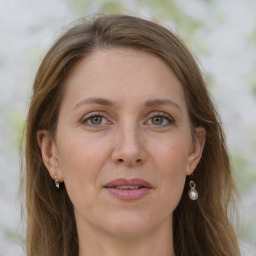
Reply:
x=222, y=36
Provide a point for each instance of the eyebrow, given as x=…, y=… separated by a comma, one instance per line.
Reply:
x=99, y=101
x=148, y=103
x=159, y=102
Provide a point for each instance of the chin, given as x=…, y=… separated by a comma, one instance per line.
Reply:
x=125, y=225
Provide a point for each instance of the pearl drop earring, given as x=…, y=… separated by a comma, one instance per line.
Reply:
x=57, y=184
x=192, y=193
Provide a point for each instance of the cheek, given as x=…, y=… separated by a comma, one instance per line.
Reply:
x=172, y=155
x=81, y=160
x=79, y=154
x=171, y=160
x=173, y=173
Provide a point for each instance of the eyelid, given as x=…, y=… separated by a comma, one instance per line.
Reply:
x=170, y=119
x=93, y=114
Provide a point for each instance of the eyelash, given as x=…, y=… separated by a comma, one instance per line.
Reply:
x=86, y=119
x=166, y=117
x=89, y=118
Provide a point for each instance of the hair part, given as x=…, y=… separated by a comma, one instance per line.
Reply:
x=201, y=227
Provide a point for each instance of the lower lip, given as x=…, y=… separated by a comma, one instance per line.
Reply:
x=128, y=195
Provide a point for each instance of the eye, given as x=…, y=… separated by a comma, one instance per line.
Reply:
x=157, y=120
x=95, y=120
x=160, y=120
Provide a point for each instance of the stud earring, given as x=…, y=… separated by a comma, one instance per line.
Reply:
x=192, y=193
x=57, y=184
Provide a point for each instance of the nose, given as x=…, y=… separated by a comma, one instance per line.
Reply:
x=129, y=148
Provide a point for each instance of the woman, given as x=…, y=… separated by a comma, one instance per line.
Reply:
x=125, y=154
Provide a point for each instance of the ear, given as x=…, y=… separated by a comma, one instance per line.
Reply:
x=49, y=153
x=196, y=149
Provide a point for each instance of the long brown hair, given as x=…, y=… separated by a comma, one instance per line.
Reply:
x=200, y=227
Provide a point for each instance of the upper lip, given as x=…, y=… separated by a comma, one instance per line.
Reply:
x=128, y=182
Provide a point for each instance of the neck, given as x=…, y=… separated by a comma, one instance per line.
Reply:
x=154, y=243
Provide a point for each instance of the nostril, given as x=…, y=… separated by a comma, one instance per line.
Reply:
x=120, y=160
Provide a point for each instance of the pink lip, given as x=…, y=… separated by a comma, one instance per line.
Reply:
x=128, y=195
x=126, y=182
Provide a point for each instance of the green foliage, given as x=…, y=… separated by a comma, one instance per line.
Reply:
x=17, y=124
x=9, y=234
x=112, y=6
x=251, y=80
x=208, y=1
x=210, y=81
x=189, y=28
x=169, y=10
x=248, y=230
x=251, y=39
x=79, y=6
x=244, y=175
x=35, y=55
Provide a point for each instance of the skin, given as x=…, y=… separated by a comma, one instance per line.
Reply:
x=133, y=136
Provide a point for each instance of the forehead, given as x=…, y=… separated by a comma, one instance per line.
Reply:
x=122, y=72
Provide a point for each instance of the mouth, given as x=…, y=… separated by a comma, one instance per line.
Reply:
x=128, y=190
x=128, y=187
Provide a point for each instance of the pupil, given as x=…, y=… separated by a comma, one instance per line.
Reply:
x=97, y=120
x=157, y=120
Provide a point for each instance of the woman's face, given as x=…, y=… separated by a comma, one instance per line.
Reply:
x=123, y=144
